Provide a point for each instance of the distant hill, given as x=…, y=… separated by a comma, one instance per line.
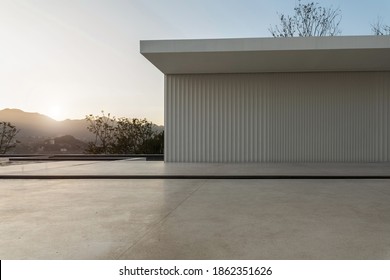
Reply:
x=36, y=128
x=65, y=144
x=35, y=125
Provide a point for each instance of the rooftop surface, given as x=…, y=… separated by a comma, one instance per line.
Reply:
x=250, y=55
x=193, y=219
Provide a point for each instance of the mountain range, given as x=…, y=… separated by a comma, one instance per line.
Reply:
x=35, y=125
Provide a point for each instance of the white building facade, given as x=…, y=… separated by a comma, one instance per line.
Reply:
x=317, y=99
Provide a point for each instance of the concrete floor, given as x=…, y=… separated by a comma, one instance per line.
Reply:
x=129, y=167
x=193, y=219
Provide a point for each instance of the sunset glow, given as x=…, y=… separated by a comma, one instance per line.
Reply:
x=86, y=55
x=56, y=113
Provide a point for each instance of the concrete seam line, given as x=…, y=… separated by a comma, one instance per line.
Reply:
x=161, y=221
x=119, y=177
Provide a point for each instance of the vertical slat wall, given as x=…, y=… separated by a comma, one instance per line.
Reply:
x=278, y=117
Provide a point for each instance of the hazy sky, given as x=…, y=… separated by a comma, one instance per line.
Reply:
x=69, y=58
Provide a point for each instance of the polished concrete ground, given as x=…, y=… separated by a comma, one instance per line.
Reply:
x=192, y=219
x=131, y=167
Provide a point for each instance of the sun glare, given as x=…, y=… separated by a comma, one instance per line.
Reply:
x=55, y=112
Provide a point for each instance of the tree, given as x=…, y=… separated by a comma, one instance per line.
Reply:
x=154, y=145
x=378, y=28
x=103, y=127
x=123, y=136
x=308, y=20
x=131, y=134
x=7, y=135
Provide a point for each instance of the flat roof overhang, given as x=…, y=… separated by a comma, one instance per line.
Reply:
x=254, y=55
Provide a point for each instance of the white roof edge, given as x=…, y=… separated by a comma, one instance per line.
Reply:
x=265, y=44
x=257, y=55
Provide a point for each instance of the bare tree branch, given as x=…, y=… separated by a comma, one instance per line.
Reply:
x=378, y=28
x=308, y=20
x=7, y=136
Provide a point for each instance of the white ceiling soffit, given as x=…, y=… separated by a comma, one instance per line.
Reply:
x=308, y=54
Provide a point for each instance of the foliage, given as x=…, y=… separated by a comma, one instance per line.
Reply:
x=308, y=20
x=154, y=145
x=123, y=136
x=7, y=135
x=103, y=127
x=131, y=134
x=378, y=28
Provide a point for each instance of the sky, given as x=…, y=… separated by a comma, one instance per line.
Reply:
x=70, y=58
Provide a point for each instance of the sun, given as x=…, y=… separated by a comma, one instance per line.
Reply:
x=55, y=112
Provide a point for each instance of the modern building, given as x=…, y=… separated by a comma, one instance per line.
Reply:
x=313, y=99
